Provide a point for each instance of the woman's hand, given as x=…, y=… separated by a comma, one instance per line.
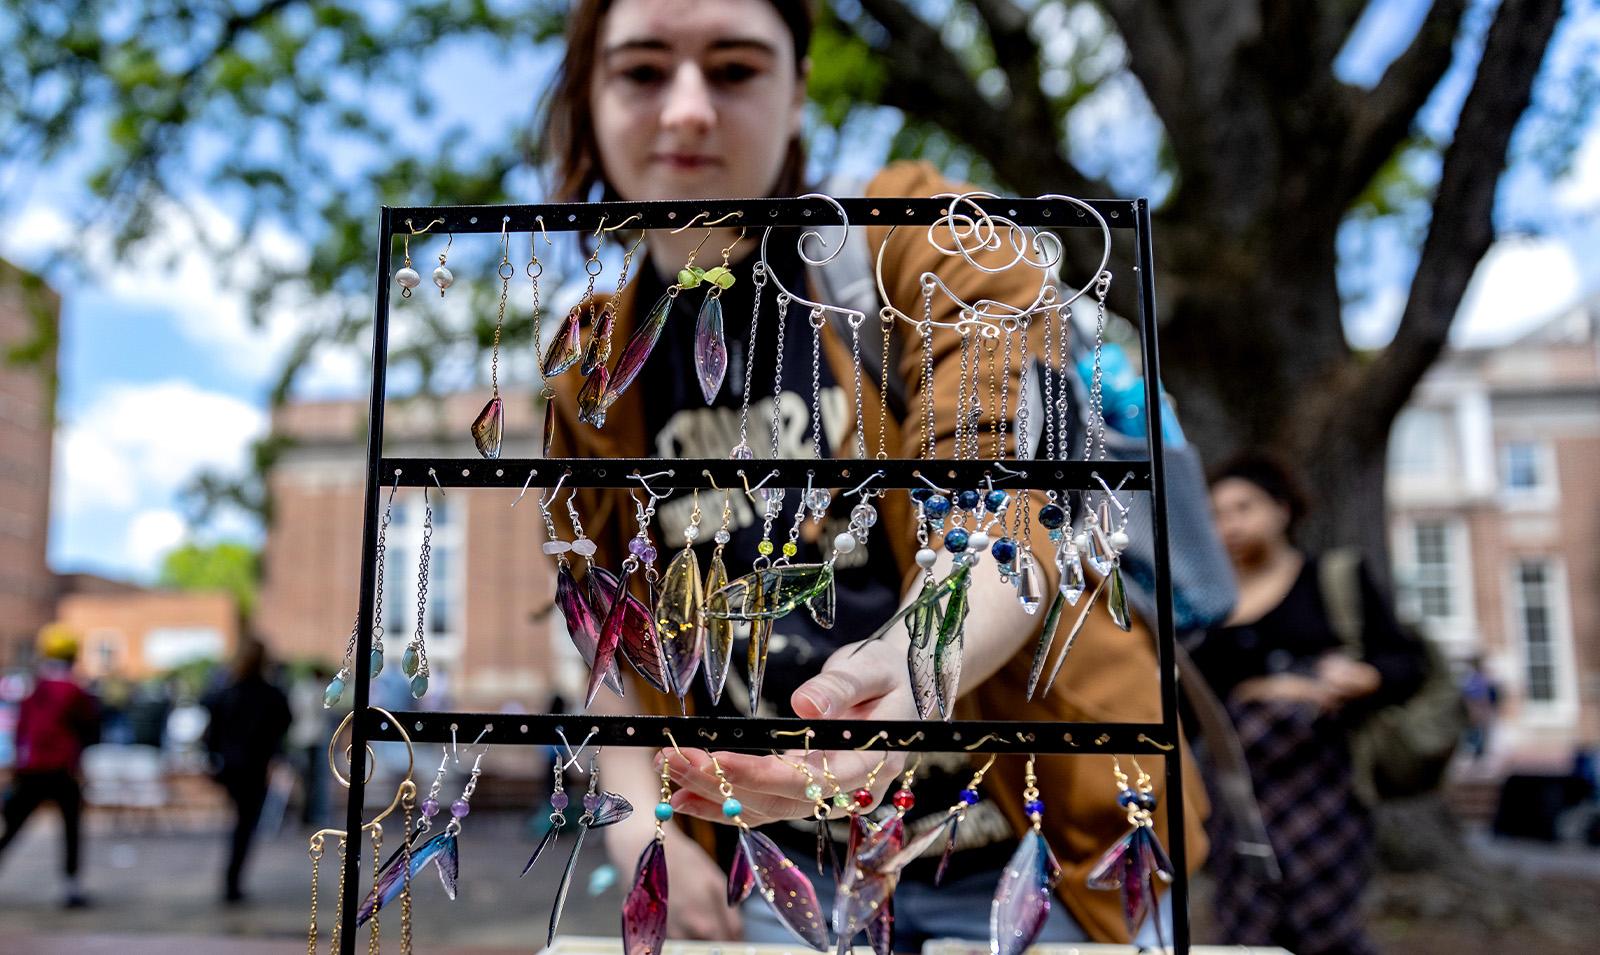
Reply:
x=698, y=889
x=869, y=685
x=1348, y=679
x=1287, y=688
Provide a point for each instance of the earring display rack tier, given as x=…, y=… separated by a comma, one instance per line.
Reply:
x=1120, y=216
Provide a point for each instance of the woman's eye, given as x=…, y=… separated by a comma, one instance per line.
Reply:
x=643, y=75
x=732, y=73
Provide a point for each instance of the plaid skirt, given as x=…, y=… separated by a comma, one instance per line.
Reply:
x=1321, y=834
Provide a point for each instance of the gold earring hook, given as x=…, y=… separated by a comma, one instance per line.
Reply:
x=542, y=231
x=684, y=228
x=623, y=223
x=602, y=228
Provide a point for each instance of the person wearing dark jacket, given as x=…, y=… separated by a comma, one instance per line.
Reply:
x=249, y=719
x=1295, y=695
x=54, y=724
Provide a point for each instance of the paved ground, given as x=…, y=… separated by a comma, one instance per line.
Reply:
x=169, y=884
x=156, y=892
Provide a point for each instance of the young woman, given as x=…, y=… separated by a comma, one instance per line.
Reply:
x=1295, y=694
x=668, y=99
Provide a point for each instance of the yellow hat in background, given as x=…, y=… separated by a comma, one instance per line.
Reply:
x=57, y=641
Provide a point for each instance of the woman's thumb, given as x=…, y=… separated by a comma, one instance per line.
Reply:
x=832, y=693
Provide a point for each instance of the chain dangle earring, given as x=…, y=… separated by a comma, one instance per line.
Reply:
x=1136, y=862
x=488, y=429
x=334, y=691
x=566, y=348
x=644, y=910
x=710, y=344
x=414, y=662
x=535, y=270
x=758, y=282
x=599, y=350
x=679, y=612
x=1022, y=899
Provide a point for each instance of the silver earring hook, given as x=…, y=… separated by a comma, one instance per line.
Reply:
x=924, y=479
x=750, y=491
x=644, y=480
x=525, y=485
x=435, y=483
x=862, y=486
x=1005, y=471
x=1111, y=493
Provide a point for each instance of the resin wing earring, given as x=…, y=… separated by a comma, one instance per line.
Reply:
x=1136, y=862
x=759, y=865
x=600, y=809
x=710, y=344
x=488, y=429
x=679, y=612
x=1022, y=899
x=644, y=911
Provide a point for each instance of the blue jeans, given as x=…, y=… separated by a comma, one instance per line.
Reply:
x=958, y=909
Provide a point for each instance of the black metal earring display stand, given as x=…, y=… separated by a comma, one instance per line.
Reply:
x=985, y=736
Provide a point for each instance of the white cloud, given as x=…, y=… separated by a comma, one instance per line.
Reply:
x=139, y=444
x=151, y=534
x=1518, y=283
x=1579, y=189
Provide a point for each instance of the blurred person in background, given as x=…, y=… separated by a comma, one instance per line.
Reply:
x=1296, y=695
x=54, y=724
x=249, y=719
x=308, y=741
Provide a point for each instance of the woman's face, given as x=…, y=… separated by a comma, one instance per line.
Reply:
x=694, y=99
x=1249, y=520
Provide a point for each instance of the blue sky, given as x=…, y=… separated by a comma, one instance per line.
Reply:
x=163, y=375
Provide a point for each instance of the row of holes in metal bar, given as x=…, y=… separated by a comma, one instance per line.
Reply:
x=773, y=214
x=1135, y=473
x=1023, y=738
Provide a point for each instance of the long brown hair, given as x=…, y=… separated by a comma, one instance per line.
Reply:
x=567, y=139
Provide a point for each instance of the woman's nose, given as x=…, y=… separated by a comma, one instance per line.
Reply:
x=688, y=101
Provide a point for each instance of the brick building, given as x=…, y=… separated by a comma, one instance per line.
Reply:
x=490, y=589
x=29, y=312
x=1494, y=492
x=135, y=634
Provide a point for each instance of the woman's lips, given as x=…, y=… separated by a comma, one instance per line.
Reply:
x=686, y=162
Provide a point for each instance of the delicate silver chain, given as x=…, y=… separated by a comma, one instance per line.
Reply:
x=777, y=376
x=377, y=613
x=855, y=357
x=422, y=580
x=759, y=282
x=928, y=422
x=817, y=321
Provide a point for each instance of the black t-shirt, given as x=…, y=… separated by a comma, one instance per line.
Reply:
x=1292, y=636
x=867, y=590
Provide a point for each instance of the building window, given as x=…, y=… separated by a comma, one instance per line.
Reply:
x=1526, y=466
x=1421, y=443
x=1536, y=610
x=1432, y=571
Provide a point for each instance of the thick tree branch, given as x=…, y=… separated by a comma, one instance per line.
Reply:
x=1018, y=55
x=1379, y=119
x=1462, y=226
x=927, y=81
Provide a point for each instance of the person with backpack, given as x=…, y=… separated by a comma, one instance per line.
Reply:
x=1311, y=657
